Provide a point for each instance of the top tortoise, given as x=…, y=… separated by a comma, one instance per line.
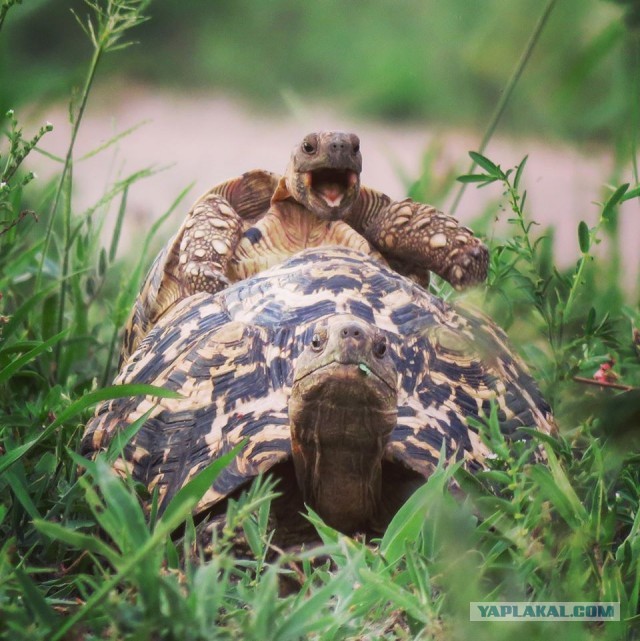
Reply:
x=255, y=221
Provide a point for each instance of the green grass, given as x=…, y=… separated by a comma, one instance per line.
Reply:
x=80, y=558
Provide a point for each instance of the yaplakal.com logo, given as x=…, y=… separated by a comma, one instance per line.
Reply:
x=544, y=611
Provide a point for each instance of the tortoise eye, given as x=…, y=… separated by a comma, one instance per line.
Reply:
x=308, y=147
x=380, y=348
x=316, y=342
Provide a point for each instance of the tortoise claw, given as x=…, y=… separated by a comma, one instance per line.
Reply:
x=469, y=266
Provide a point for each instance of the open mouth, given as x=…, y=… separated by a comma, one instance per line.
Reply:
x=331, y=185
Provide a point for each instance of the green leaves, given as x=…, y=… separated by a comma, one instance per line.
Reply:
x=19, y=362
x=634, y=193
x=493, y=171
x=584, y=237
x=136, y=550
x=556, y=487
x=88, y=400
x=614, y=200
x=486, y=164
x=408, y=523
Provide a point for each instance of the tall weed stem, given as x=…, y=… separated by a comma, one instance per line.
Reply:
x=105, y=32
x=507, y=93
x=65, y=176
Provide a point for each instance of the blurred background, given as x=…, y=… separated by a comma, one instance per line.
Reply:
x=219, y=87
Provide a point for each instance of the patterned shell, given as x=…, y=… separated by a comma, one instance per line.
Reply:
x=232, y=356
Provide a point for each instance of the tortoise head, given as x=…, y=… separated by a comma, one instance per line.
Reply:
x=342, y=410
x=323, y=174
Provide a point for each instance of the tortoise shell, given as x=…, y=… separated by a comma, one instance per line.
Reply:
x=250, y=223
x=233, y=356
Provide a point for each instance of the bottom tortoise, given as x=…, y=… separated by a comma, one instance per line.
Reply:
x=345, y=378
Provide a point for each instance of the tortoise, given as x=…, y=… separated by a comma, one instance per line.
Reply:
x=250, y=223
x=346, y=378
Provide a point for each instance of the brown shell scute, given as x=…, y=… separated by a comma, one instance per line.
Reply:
x=232, y=355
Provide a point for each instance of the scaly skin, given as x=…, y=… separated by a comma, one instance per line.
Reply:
x=251, y=223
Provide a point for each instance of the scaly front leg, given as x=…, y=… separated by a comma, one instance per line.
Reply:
x=208, y=240
x=214, y=226
x=195, y=260
x=418, y=237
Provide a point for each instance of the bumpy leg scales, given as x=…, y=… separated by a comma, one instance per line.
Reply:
x=420, y=234
x=194, y=261
x=211, y=234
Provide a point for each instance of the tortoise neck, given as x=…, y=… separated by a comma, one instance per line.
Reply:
x=300, y=226
x=337, y=448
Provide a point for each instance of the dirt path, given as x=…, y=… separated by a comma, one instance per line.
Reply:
x=206, y=139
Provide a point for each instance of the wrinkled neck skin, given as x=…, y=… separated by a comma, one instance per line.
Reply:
x=301, y=228
x=338, y=437
x=287, y=229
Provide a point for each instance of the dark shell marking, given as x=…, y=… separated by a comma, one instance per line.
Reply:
x=232, y=356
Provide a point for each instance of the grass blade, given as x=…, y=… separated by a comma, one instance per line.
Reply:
x=176, y=512
x=389, y=591
x=111, y=141
x=115, y=239
x=188, y=496
x=116, y=391
x=122, y=437
x=24, y=309
x=518, y=176
x=22, y=494
x=556, y=486
x=78, y=540
x=508, y=91
x=35, y=601
x=407, y=524
x=304, y=619
x=18, y=363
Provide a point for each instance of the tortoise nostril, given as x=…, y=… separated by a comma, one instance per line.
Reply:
x=351, y=331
